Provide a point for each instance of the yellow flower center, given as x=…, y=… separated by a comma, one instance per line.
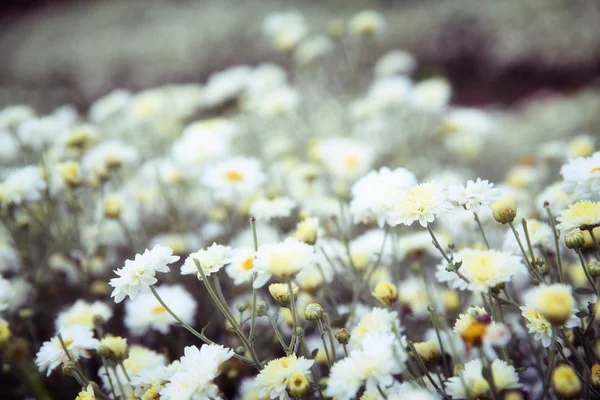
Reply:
x=352, y=162
x=68, y=343
x=158, y=310
x=595, y=169
x=234, y=176
x=248, y=264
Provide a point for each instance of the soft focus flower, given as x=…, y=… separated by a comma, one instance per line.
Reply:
x=211, y=259
x=273, y=379
x=474, y=195
x=421, y=203
x=582, y=176
x=476, y=386
x=83, y=313
x=554, y=302
x=282, y=260
x=77, y=339
x=25, y=184
x=366, y=23
x=234, y=178
x=584, y=214
x=266, y=209
x=139, y=274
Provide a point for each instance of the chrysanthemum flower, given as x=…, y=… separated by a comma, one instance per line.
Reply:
x=241, y=267
x=266, y=209
x=421, y=203
x=234, y=178
x=584, y=214
x=77, y=339
x=470, y=384
x=211, y=259
x=484, y=269
x=582, y=176
x=139, y=274
x=474, y=195
x=540, y=327
x=282, y=260
x=554, y=302
x=273, y=379
x=83, y=313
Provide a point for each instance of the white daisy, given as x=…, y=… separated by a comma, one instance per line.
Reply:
x=421, y=203
x=273, y=379
x=211, y=259
x=282, y=260
x=77, y=339
x=474, y=195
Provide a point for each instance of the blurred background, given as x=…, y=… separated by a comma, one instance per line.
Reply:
x=493, y=52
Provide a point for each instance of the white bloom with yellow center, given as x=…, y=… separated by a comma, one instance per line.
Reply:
x=109, y=105
x=366, y=23
x=139, y=274
x=282, y=260
x=24, y=184
x=272, y=380
x=211, y=259
x=77, y=339
x=145, y=312
x=241, y=267
x=83, y=313
x=390, y=92
x=264, y=209
x=584, y=214
x=345, y=158
x=431, y=95
x=286, y=29
x=470, y=384
x=109, y=154
x=379, y=320
x=554, y=302
x=540, y=327
x=582, y=177
x=413, y=294
x=195, y=147
x=281, y=101
x=467, y=319
x=483, y=269
x=421, y=203
x=234, y=178
x=375, y=194
x=474, y=195
x=395, y=62
x=555, y=195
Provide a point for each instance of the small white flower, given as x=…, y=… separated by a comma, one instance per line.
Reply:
x=7, y=293
x=77, y=339
x=272, y=380
x=83, y=313
x=395, y=62
x=264, y=209
x=282, y=260
x=421, y=203
x=211, y=259
x=139, y=274
x=366, y=23
x=241, y=267
x=234, y=178
x=431, y=95
x=471, y=384
x=474, y=195
x=24, y=184
x=345, y=158
x=582, y=177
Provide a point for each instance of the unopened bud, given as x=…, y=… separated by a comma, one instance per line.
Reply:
x=342, y=336
x=306, y=230
x=241, y=307
x=298, y=385
x=428, y=351
x=595, y=377
x=594, y=268
x=513, y=395
x=313, y=312
x=574, y=239
x=566, y=382
x=281, y=294
x=112, y=208
x=5, y=333
x=68, y=368
x=504, y=209
x=261, y=308
x=71, y=173
x=386, y=293
x=240, y=350
x=98, y=320
x=114, y=348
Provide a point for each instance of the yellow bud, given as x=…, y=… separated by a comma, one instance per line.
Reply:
x=298, y=385
x=595, y=378
x=281, y=294
x=566, y=382
x=513, y=395
x=386, y=293
x=306, y=231
x=504, y=209
x=71, y=173
x=428, y=351
x=114, y=348
x=5, y=333
x=112, y=208
x=151, y=394
x=451, y=300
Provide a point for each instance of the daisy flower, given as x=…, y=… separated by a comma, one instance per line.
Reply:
x=540, y=327
x=139, y=274
x=431, y=95
x=77, y=339
x=273, y=379
x=554, y=302
x=375, y=194
x=83, y=313
x=474, y=195
x=484, y=269
x=241, y=267
x=366, y=23
x=379, y=320
x=421, y=203
x=266, y=209
x=581, y=176
x=282, y=260
x=211, y=259
x=395, y=62
x=584, y=215
x=234, y=178
x=24, y=184
x=345, y=158
x=145, y=312
x=471, y=384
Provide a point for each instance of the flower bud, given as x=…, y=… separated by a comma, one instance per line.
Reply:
x=112, y=208
x=313, y=312
x=98, y=320
x=513, y=395
x=428, y=351
x=240, y=350
x=261, y=308
x=298, y=385
x=71, y=173
x=386, y=293
x=5, y=333
x=504, y=209
x=281, y=294
x=306, y=231
x=342, y=336
x=594, y=268
x=575, y=239
x=595, y=377
x=566, y=382
x=114, y=348
x=241, y=307
x=68, y=368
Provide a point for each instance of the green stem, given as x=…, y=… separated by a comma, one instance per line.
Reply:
x=585, y=270
x=561, y=276
x=487, y=244
x=292, y=311
x=437, y=244
x=529, y=265
x=322, y=334
x=254, y=291
x=550, y=364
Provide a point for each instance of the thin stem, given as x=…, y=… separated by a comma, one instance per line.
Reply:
x=437, y=244
x=125, y=372
x=279, y=335
x=330, y=334
x=561, y=276
x=585, y=270
x=119, y=384
x=528, y=240
x=487, y=244
x=550, y=364
x=529, y=265
x=110, y=382
x=434, y=321
x=593, y=236
x=254, y=291
x=424, y=369
x=322, y=334
x=293, y=311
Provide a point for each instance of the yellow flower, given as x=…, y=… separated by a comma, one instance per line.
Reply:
x=386, y=293
x=565, y=381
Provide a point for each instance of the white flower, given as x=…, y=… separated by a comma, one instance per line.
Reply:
x=12, y=116
x=83, y=313
x=194, y=377
x=264, y=209
x=366, y=23
x=225, y=85
x=286, y=29
x=37, y=133
x=202, y=141
x=582, y=177
x=395, y=62
x=410, y=391
x=484, y=269
x=540, y=327
x=583, y=214
x=379, y=320
x=313, y=48
x=151, y=378
x=554, y=302
x=431, y=95
x=109, y=105
x=241, y=267
x=421, y=203
x=475, y=385
x=234, y=178
x=7, y=293
x=9, y=257
x=145, y=312
x=413, y=294
x=474, y=195
x=558, y=199
x=139, y=274
x=211, y=259
x=376, y=193
x=345, y=158
x=9, y=147
x=77, y=339
x=109, y=154
x=391, y=91
x=282, y=260
x=272, y=380
x=24, y=184
x=277, y=102
x=265, y=78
